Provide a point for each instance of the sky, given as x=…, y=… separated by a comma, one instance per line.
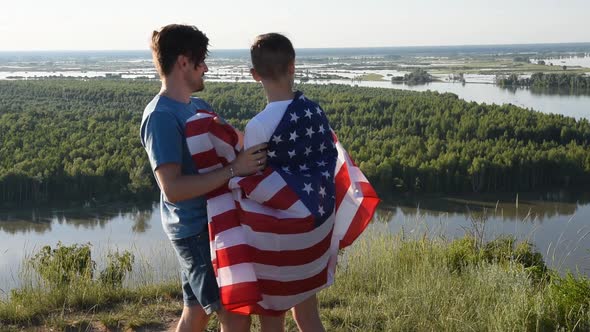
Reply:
x=127, y=24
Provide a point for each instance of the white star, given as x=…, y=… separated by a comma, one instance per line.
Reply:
x=291, y=153
x=322, y=147
x=308, y=113
x=309, y=132
x=302, y=97
x=322, y=130
x=321, y=163
x=322, y=191
x=326, y=174
x=321, y=211
x=277, y=139
x=307, y=151
x=271, y=154
x=293, y=136
x=307, y=188
x=307, y=175
x=294, y=117
x=318, y=110
x=286, y=169
x=303, y=167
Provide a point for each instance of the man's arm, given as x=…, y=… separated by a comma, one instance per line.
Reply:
x=178, y=187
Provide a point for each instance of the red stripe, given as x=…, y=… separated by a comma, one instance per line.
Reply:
x=264, y=223
x=224, y=221
x=283, y=199
x=244, y=253
x=197, y=127
x=256, y=309
x=239, y=254
x=241, y=294
x=206, y=159
x=221, y=190
x=366, y=189
x=225, y=133
x=248, y=184
x=342, y=184
x=286, y=288
x=361, y=219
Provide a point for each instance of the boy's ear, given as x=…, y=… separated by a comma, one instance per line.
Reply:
x=291, y=68
x=255, y=75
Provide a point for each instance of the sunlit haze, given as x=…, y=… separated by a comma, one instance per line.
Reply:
x=125, y=25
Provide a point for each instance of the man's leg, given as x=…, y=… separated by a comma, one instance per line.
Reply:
x=193, y=318
x=307, y=315
x=231, y=322
x=199, y=287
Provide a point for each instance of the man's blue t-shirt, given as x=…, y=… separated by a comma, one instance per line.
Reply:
x=162, y=136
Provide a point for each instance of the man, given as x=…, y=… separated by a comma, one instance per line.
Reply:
x=179, y=53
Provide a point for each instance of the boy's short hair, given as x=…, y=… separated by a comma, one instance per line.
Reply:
x=271, y=54
x=174, y=40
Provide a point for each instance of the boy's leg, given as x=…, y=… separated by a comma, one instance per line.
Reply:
x=199, y=286
x=231, y=322
x=272, y=323
x=307, y=315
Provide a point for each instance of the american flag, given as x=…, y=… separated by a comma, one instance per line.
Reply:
x=275, y=235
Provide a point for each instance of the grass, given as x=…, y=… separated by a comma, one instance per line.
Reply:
x=385, y=282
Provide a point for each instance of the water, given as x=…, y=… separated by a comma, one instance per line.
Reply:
x=569, y=61
x=557, y=223
x=107, y=228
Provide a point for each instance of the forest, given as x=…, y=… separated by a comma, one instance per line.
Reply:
x=551, y=80
x=78, y=140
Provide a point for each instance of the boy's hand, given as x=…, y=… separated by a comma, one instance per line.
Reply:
x=250, y=161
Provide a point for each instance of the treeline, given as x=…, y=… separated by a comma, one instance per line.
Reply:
x=79, y=140
x=551, y=80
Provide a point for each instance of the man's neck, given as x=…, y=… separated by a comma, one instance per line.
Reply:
x=174, y=90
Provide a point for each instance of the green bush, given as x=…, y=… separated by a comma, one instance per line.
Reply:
x=117, y=267
x=64, y=264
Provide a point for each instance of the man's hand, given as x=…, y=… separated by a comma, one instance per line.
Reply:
x=250, y=161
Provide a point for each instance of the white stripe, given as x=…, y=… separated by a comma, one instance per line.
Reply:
x=268, y=187
x=209, y=169
x=297, y=210
x=279, y=242
x=274, y=302
x=235, y=274
x=229, y=238
x=291, y=273
x=220, y=204
x=345, y=213
x=222, y=148
x=199, y=143
x=356, y=175
x=199, y=116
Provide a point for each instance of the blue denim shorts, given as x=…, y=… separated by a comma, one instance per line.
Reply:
x=199, y=285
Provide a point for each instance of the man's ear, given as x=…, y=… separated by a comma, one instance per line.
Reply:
x=182, y=61
x=255, y=75
x=291, y=68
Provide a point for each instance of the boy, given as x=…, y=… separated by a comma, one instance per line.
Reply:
x=273, y=60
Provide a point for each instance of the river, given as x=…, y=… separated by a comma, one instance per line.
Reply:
x=556, y=223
